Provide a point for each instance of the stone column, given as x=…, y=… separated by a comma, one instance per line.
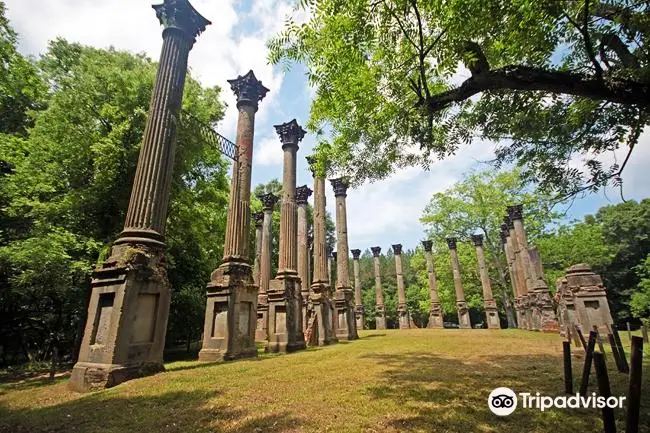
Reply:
x=380, y=314
x=127, y=312
x=544, y=318
x=402, y=310
x=520, y=276
x=344, y=297
x=461, y=305
x=329, y=266
x=334, y=315
x=258, y=217
x=435, y=313
x=358, y=302
x=319, y=328
x=231, y=306
x=268, y=204
x=511, y=271
x=302, y=194
x=489, y=305
x=285, y=303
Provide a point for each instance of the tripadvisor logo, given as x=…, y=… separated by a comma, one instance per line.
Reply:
x=503, y=401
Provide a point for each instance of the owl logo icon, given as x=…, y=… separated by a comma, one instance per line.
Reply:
x=502, y=401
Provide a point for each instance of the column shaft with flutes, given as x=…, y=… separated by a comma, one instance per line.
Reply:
x=402, y=310
x=489, y=304
x=302, y=194
x=128, y=309
x=435, y=312
x=358, y=301
x=380, y=312
x=258, y=217
x=231, y=305
x=269, y=201
x=461, y=304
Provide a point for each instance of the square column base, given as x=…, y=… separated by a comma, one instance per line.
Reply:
x=345, y=321
x=359, y=314
x=261, y=329
x=230, y=314
x=435, y=316
x=492, y=314
x=128, y=309
x=319, y=328
x=284, y=332
x=463, y=315
x=403, y=317
x=548, y=318
x=380, y=318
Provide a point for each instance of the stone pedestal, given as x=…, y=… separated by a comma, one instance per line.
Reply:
x=402, y=310
x=380, y=312
x=435, y=312
x=124, y=335
x=489, y=305
x=302, y=194
x=231, y=305
x=345, y=306
x=358, y=303
x=285, y=302
x=461, y=306
x=261, y=330
x=319, y=328
x=582, y=300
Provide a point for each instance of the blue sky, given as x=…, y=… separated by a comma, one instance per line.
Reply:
x=382, y=213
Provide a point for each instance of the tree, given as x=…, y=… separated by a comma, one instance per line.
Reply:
x=477, y=204
x=70, y=184
x=640, y=301
x=400, y=81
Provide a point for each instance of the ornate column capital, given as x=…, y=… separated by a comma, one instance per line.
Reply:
x=427, y=245
x=355, y=254
x=397, y=249
x=340, y=186
x=477, y=240
x=334, y=255
x=259, y=218
x=302, y=194
x=376, y=251
x=180, y=15
x=268, y=200
x=451, y=243
x=516, y=212
x=290, y=133
x=248, y=89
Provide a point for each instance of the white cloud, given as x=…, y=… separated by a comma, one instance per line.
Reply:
x=269, y=151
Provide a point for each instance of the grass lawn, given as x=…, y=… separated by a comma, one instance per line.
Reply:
x=389, y=381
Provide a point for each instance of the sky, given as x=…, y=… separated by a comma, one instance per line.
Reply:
x=381, y=213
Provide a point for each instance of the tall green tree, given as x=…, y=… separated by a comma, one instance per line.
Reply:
x=401, y=81
x=70, y=184
x=477, y=204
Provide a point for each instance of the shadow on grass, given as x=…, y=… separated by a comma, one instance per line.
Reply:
x=170, y=412
x=32, y=383
x=372, y=336
x=450, y=395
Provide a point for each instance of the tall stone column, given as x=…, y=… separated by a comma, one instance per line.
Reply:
x=319, y=328
x=461, y=304
x=358, y=302
x=127, y=312
x=268, y=204
x=520, y=277
x=435, y=313
x=285, y=303
x=258, y=217
x=402, y=310
x=380, y=313
x=489, y=305
x=344, y=297
x=231, y=305
x=302, y=194
x=511, y=272
x=333, y=311
x=330, y=259
x=544, y=318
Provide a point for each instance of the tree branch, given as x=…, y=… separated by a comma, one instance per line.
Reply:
x=518, y=77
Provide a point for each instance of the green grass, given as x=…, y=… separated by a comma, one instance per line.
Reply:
x=389, y=381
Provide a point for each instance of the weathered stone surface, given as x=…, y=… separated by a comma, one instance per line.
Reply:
x=231, y=305
x=461, y=306
x=302, y=194
x=402, y=311
x=285, y=301
x=380, y=312
x=269, y=201
x=435, y=312
x=124, y=335
x=358, y=304
x=489, y=305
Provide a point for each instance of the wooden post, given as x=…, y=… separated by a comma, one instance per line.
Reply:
x=582, y=338
x=615, y=354
x=629, y=331
x=604, y=390
x=574, y=333
x=599, y=340
x=568, y=372
x=634, y=391
x=621, y=351
x=587, y=367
